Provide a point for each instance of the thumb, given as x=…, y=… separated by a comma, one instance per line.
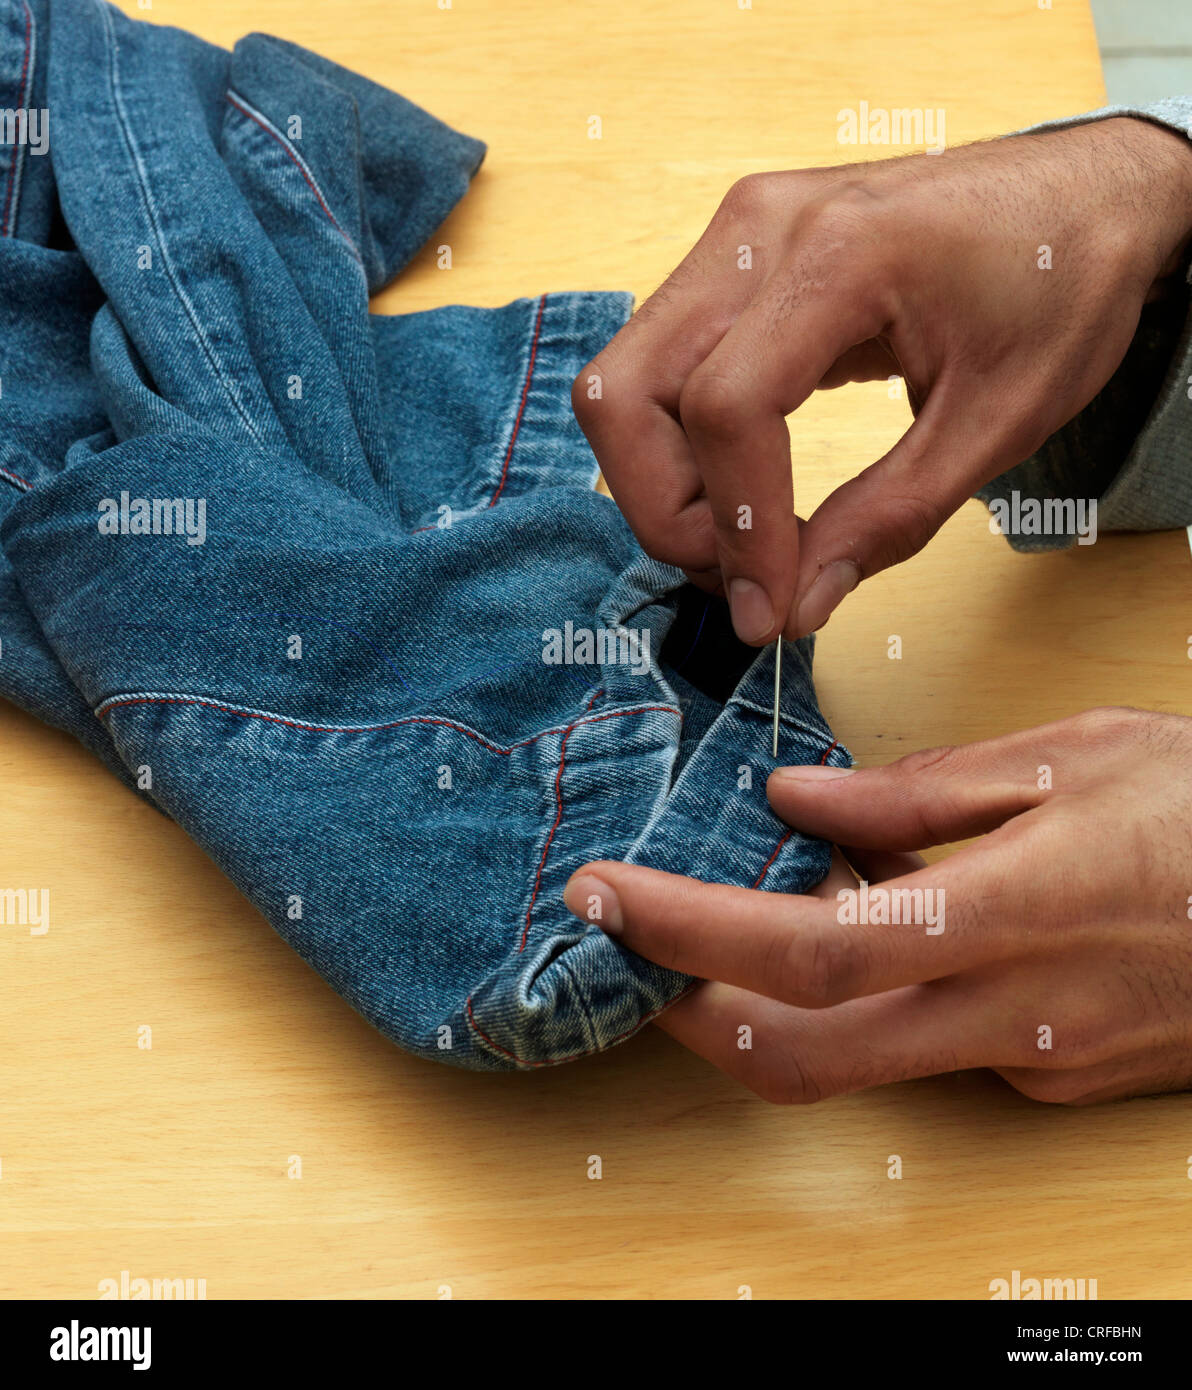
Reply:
x=890, y=511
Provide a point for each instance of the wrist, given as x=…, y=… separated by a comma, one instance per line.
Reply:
x=1152, y=188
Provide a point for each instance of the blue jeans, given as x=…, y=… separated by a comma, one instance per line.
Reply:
x=335, y=591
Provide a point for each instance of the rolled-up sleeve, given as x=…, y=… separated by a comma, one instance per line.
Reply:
x=1131, y=447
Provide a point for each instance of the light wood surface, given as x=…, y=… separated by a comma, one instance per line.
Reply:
x=172, y=1162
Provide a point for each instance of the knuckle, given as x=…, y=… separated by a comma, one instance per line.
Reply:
x=684, y=540
x=788, y=1082
x=1110, y=724
x=594, y=395
x=926, y=760
x=581, y=401
x=653, y=532
x=658, y=541
x=931, y=808
x=737, y=550
x=844, y=210
x=1048, y=1087
x=819, y=969
x=711, y=405
x=751, y=194
x=666, y=948
x=908, y=523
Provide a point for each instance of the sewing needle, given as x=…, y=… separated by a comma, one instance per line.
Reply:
x=777, y=688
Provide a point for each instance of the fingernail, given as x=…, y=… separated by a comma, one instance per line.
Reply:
x=752, y=615
x=815, y=773
x=593, y=900
x=833, y=584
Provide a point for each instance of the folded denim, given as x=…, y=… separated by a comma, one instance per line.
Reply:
x=343, y=690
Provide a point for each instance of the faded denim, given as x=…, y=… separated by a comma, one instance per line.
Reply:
x=184, y=284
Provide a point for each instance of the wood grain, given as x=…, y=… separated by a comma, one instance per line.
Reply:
x=172, y=1162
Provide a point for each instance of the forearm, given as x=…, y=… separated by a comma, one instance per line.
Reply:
x=1130, y=447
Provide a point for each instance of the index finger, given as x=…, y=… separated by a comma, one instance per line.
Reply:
x=806, y=950
x=733, y=408
x=626, y=400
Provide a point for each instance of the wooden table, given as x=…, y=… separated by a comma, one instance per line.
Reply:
x=173, y=1162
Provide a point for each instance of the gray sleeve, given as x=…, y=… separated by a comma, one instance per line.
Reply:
x=1131, y=447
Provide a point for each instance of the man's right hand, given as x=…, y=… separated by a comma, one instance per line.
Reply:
x=929, y=267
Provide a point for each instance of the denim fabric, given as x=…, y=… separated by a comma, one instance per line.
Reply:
x=339, y=688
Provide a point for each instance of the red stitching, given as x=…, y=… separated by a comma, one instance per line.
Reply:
x=557, y=1061
x=310, y=183
x=12, y=173
x=520, y=412
x=521, y=408
x=16, y=478
x=549, y=838
x=105, y=710
x=558, y=813
x=757, y=882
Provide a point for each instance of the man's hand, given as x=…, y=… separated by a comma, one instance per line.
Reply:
x=1002, y=281
x=1065, y=962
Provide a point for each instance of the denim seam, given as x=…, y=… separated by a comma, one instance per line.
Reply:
x=778, y=848
x=113, y=702
x=581, y=999
x=15, y=479
x=574, y=1056
x=781, y=845
x=238, y=103
x=577, y=992
x=12, y=197
x=121, y=702
x=150, y=208
x=561, y=334
x=791, y=720
x=555, y=825
x=527, y=379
